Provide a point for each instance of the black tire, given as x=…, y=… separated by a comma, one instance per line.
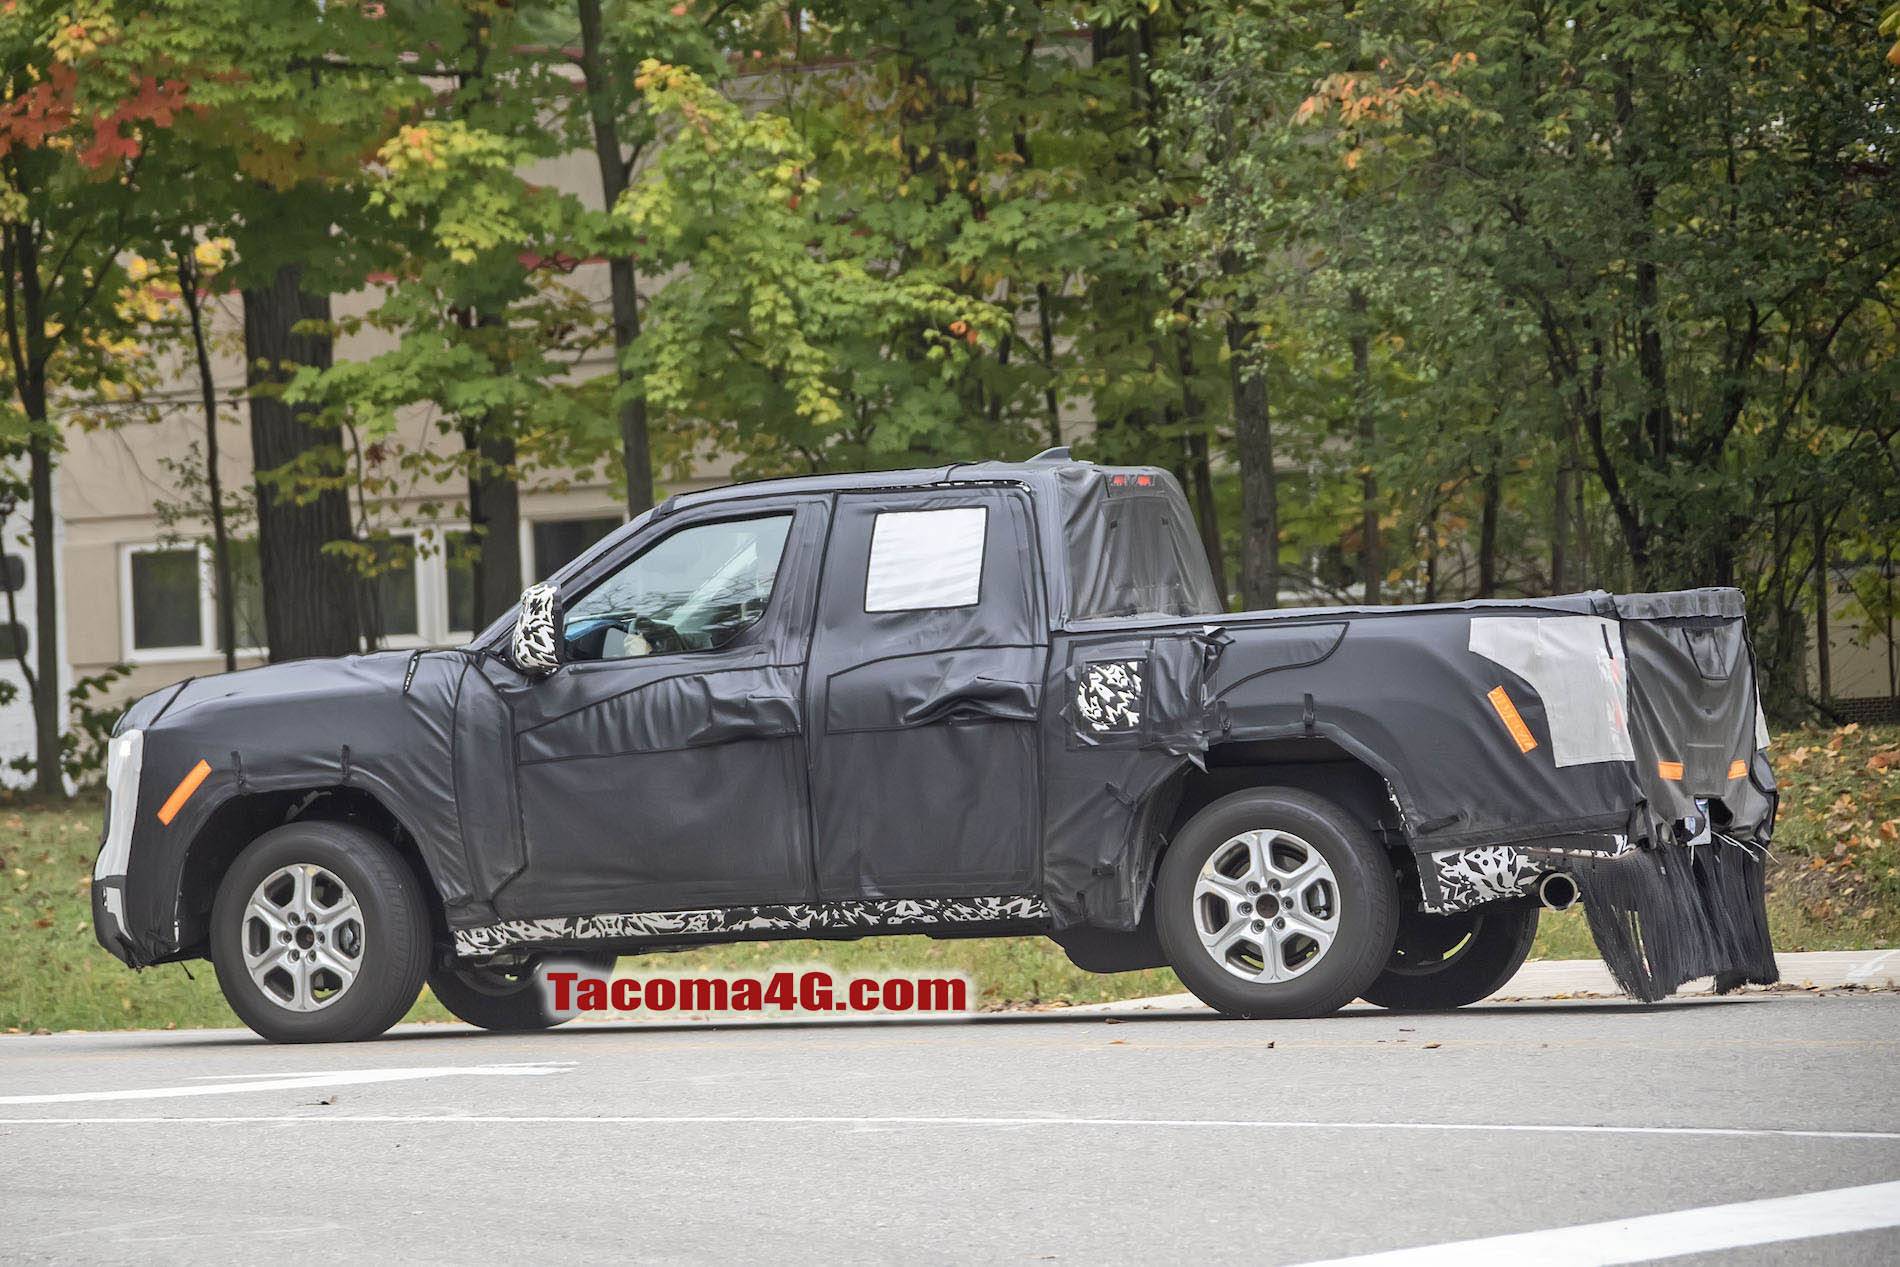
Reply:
x=392, y=934
x=510, y=998
x=1447, y=961
x=1363, y=902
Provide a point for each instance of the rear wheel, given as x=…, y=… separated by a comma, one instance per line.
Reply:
x=1275, y=903
x=1447, y=961
x=510, y=996
x=319, y=934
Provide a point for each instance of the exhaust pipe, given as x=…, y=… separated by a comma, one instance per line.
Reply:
x=1557, y=891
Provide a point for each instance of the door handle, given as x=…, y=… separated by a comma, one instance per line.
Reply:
x=978, y=699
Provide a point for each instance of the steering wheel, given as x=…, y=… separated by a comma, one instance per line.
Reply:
x=660, y=636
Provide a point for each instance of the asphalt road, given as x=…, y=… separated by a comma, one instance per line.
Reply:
x=1052, y=1137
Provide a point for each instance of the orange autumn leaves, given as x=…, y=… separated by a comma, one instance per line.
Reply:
x=1363, y=99
x=45, y=112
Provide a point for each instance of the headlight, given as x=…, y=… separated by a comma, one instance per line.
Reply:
x=123, y=761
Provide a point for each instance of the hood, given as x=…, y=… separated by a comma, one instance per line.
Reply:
x=287, y=685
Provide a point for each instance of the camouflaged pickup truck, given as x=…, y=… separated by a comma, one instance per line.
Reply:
x=983, y=699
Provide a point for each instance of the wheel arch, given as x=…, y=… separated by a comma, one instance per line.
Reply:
x=240, y=819
x=1319, y=766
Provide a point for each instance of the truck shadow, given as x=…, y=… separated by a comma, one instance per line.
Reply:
x=1354, y=1017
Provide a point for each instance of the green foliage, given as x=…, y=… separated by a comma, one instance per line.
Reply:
x=776, y=333
x=1630, y=279
x=1537, y=298
x=93, y=712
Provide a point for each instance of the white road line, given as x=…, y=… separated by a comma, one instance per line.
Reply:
x=402, y=1119
x=291, y=1082
x=1872, y=966
x=1640, y=1240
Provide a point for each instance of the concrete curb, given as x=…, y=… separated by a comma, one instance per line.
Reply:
x=1588, y=978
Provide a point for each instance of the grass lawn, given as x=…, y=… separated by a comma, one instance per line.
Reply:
x=1835, y=885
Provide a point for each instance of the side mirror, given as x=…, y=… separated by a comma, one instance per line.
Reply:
x=538, y=641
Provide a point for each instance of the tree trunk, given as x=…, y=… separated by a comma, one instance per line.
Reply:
x=636, y=454
x=494, y=513
x=1051, y=400
x=1493, y=485
x=1657, y=430
x=1371, y=560
x=1560, y=516
x=1583, y=575
x=226, y=599
x=1259, y=485
x=1823, y=653
x=48, y=776
x=636, y=451
x=29, y=350
x=494, y=508
x=1893, y=663
x=309, y=595
x=1194, y=418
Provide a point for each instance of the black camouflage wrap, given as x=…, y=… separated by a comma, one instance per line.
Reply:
x=1016, y=761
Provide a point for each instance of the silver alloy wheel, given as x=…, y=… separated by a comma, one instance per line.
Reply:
x=303, y=937
x=1266, y=906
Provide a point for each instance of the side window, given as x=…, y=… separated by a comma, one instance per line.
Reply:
x=692, y=591
x=924, y=559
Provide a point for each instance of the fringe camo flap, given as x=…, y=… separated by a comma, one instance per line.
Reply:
x=1668, y=915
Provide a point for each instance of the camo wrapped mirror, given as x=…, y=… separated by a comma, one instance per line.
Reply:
x=537, y=644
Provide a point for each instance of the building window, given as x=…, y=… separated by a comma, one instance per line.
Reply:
x=419, y=587
x=167, y=597
x=392, y=588
x=458, y=559
x=247, y=584
x=555, y=543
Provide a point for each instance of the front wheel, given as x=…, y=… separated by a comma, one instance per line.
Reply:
x=1447, y=961
x=319, y=934
x=1275, y=903
x=510, y=996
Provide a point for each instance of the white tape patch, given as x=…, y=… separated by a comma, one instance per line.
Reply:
x=293, y=1082
x=1576, y=666
x=1640, y=1240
